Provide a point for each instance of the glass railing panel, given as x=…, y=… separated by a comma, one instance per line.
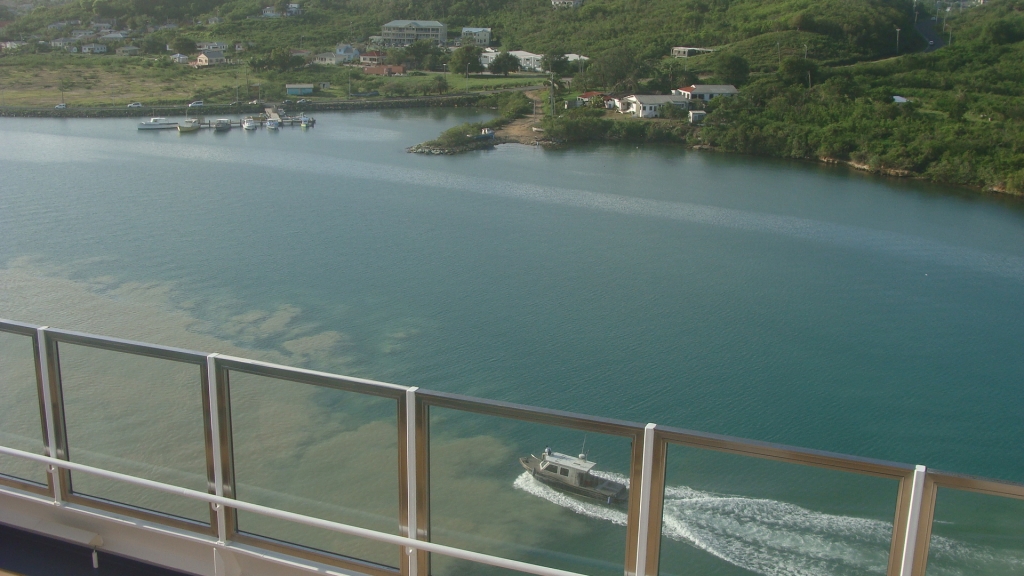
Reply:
x=976, y=534
x=483, y=499
x=20, y=425
x=317, y=451
x=731, y=515
x=135, y=415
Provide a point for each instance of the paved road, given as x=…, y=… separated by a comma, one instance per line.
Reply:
x=927, y=29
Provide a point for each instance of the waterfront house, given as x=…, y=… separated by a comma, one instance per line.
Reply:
x=649, y=106
x=127, y=51
x=211, y=58
x=298, y=89
x=384, y=70
x=94, y=49
x=706, y=92
x=179, y=59
x=371, y=58
x=477, y=36
x=405, y=32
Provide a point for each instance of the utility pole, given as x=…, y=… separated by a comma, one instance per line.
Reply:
x=805, y=50
x=778, y=45
x=897, y=40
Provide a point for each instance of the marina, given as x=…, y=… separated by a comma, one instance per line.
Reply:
x=271, y=119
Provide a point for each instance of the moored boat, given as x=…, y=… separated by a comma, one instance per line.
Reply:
x=272, y=124
x=574, y=475
x=157, y=124
x=190, y=125
x=222, y=125
x=250, y=123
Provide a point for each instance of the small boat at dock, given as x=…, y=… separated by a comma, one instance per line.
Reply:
x=272, y=124
x=222, y=125
x=250, y=123
x=190, y=125
x=574, y=475
x=157, y=124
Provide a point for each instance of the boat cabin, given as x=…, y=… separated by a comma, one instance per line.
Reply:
x=575, y=471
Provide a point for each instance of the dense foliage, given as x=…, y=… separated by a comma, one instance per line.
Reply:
x=964, y=123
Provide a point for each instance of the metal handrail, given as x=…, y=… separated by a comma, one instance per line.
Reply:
x=296, y=518
x=915, y=501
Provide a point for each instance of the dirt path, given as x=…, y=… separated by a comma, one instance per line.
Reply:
x=521, y=130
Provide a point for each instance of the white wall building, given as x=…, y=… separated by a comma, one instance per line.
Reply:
x=649, y=106
x=528, y=61
x=706, y=92
x=405, y=32
x=478, y=36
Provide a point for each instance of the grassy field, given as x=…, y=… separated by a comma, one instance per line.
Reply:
x=89, y=81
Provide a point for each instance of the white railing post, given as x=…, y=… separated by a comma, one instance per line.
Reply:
x=218, y=468
x=913, y=521
x=646, y=475
x=51, y=421
x=410, y=475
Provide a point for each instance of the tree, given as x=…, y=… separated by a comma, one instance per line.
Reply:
x=798, y=71
x=422, y=55
x=466, y=58
x=731, y=69
x=504, y=63
x=555, y=62
x=440, y=84
x=151, y=45
x=183, y=45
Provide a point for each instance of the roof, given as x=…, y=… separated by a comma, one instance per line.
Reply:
x=656, y=99
x=213, y=54
x=474, y=30
x=298, y=86
x=711, y=89
x=570, y=462
x=373, y=53
x=414, y=24
x=591, y=94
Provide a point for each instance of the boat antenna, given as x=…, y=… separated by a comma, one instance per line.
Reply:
x=583, y=451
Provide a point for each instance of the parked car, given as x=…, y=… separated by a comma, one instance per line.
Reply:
x=931, y=42
x=287, y=102
x=303, y=101
x=256, y=102
x=61, y=106
x=195, y=104
x=135, y=105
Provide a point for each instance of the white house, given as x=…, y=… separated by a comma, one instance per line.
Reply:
x=687, y=51
x=62, y=42
x=527, y=60
x=706, y=92
x=179, y=59
x=203, y=46
x=328, y=59
x=566, y=3
x=93, y=49
x=478, y=36
x=293, y=10
x=269, y=12
x=405, y=32
x=649, y=106
x=346, y=52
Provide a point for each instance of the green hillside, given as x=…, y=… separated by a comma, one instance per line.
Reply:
x=839, y=29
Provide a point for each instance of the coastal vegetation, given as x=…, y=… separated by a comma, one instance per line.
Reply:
x=818, y=80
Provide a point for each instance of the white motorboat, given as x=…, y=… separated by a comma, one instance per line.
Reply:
x=250, y=123
x=158, y=124
x=272, y=124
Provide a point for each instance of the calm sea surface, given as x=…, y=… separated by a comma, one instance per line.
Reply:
x=784, y=302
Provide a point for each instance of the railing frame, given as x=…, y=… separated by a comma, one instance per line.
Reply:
x=912, y=524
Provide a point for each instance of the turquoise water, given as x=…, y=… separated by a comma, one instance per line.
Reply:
x=780, y=301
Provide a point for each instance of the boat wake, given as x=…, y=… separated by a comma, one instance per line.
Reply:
x=780, y=539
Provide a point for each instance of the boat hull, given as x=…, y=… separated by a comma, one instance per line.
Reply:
x=608, y=492
x=188, y=129
x=167, y=126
